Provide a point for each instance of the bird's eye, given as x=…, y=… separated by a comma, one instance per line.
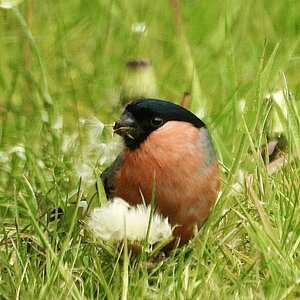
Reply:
x=156, y=121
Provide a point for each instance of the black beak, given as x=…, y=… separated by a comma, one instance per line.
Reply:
x=130, y=129
x=125, y=124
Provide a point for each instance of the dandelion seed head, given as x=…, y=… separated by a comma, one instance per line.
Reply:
x=44, y=116
x=84, y=205
x=116, y=220
x=8, y=4
x=107, y=222
x=94, y=128
x=241, y=105
x=139, y=27
x=86, y=172
x=69, y=142
x=111, y=150
x=58, y=122
x=4, y=157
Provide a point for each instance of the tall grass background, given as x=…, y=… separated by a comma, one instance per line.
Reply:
x=64, y=61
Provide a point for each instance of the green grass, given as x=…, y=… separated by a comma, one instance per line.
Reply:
x=64, y=61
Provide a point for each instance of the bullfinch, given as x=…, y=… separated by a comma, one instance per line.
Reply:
x=168, y=144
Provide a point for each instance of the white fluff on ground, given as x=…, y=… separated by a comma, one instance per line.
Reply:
x=117, y=220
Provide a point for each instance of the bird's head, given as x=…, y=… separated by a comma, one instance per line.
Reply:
x=141, y=117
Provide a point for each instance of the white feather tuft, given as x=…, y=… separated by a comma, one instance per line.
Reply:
x=116, y=220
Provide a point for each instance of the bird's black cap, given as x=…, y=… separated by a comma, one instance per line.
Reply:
x=167, y=110
x=141, y=117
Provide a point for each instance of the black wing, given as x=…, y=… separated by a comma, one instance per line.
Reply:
x=108, y=176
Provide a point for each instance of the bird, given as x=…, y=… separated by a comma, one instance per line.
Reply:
x=167, y=146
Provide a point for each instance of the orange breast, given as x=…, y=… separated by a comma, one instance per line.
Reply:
x=181, y=159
